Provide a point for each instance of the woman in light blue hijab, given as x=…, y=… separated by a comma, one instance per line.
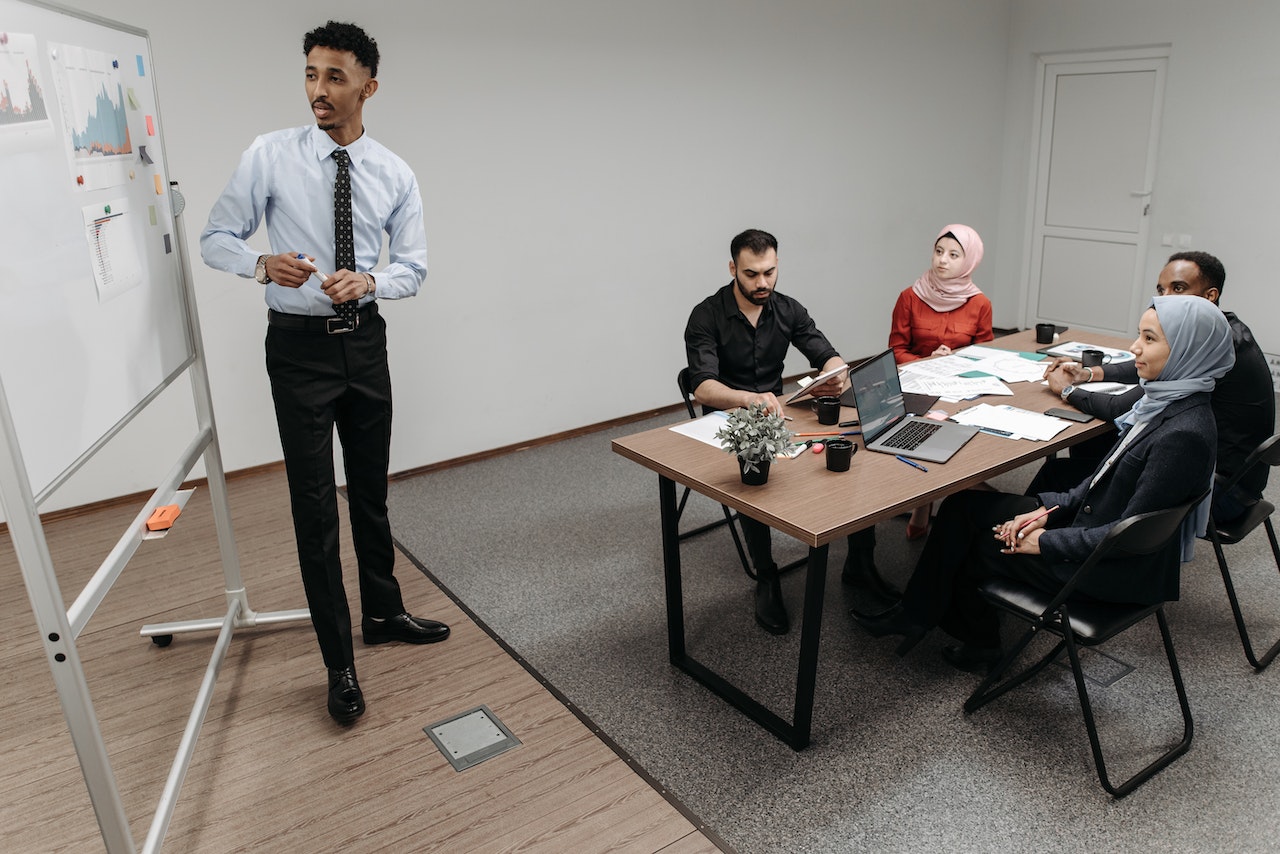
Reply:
x=1163, y=458
x=1200, y=353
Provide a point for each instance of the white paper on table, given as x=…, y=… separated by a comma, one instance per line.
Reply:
x=943, y=366
x=704, y=429
x=1011, y=368
x=954, y=388
x=1073, y=349
x=1010, y=419
x=977, y=351
x=1102, y=387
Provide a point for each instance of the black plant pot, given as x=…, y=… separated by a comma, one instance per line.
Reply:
x=759, y=477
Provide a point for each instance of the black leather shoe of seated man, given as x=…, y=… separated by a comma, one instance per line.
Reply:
x=346, y=700
x=403, y=628
x=771, y=614
x=860, y=571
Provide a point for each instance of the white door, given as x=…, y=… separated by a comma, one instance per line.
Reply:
x=1097, y=133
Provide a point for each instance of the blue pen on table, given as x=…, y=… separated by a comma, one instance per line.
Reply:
x=994, y=432
x=912, y=463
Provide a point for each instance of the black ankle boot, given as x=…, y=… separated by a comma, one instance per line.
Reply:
x=771, y=614
x=860, y=571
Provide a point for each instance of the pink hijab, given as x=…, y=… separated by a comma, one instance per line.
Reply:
x=949, y=294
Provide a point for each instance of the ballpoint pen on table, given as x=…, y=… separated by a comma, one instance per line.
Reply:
x=911, y=463
x=833, y=433
x=1036, y=518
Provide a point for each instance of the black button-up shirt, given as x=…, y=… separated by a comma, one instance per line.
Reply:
x=723, y=345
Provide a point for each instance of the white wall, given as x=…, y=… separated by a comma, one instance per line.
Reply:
x=583, y=166
x=1216, y=178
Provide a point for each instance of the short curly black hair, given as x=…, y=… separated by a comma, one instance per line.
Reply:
x=1211, y=269
x=339, y=36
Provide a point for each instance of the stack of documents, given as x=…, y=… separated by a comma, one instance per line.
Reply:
x=1012, y=422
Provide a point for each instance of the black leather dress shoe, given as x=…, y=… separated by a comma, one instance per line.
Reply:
x=972, y=659
x=892, y=622
x=860, y=571
x=346, y=700
x=771, y=614
x=403, y=628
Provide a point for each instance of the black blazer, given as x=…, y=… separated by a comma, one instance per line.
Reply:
x=1170, y=462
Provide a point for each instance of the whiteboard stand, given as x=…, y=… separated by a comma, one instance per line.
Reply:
x=60, y=626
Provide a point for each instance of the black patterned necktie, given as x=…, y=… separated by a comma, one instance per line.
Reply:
x=344, y=245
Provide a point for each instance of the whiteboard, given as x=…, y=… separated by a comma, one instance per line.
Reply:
x=93, y=315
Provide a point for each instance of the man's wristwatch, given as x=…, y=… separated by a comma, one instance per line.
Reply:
x=1066, y=392
x=260, y=273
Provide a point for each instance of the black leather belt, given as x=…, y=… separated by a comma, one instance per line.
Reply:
x=326, y=325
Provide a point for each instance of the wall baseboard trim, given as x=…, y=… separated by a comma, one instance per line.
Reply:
x=139, y=497
x=536, y=443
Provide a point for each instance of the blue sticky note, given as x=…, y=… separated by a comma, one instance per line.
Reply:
x=142, y=69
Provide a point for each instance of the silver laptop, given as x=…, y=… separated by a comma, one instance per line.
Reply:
x=887, y=428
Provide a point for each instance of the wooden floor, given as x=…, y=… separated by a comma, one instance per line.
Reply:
x=272, y=772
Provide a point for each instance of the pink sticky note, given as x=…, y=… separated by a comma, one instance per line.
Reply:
x=151, y=126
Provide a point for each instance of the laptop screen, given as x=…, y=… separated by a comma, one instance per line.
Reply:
x=878, y=393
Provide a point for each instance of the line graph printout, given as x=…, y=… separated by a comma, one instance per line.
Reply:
x=94, y=115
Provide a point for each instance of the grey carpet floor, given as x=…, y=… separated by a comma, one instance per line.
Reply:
x=557, y=549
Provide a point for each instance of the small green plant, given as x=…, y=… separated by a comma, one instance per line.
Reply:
x=755, y=435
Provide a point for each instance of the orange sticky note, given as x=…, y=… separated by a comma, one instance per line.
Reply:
x=159, y=186
x=151, y=126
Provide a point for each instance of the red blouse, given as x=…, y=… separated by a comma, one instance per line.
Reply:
x=918, y=330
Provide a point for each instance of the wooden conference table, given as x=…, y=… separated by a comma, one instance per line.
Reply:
x=816, y=506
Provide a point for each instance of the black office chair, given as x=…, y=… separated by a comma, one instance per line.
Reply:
x=1235, y=530
x=1089, y=623
x=682, y=379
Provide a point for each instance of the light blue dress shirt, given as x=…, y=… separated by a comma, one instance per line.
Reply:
x=287, y=176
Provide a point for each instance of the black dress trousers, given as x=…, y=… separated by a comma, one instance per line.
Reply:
x=319, y=381
x=961, y=552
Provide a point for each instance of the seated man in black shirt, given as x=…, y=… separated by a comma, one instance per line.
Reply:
x=736, y=340
x=1243, y=400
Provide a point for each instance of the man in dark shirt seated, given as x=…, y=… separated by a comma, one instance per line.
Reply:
x=1243, y=400
x=736, y=342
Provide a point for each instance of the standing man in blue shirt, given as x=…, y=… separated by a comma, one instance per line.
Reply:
x=328, y=363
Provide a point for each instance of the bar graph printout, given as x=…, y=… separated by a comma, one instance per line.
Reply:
x=112, y=248
x=22, y=99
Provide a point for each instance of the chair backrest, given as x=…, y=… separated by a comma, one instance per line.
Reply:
x=682, y=380
x=1143, y=534
x=1266, y=454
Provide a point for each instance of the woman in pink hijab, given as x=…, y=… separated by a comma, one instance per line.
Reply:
x=943, y=310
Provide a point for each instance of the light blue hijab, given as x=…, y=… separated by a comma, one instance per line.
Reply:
x=1200, y=353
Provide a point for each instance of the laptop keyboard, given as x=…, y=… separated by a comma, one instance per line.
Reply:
x=912, y=436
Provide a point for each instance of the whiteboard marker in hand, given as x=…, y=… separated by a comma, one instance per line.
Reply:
x=321, y=276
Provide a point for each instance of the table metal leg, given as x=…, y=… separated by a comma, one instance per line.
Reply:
x=796, y=733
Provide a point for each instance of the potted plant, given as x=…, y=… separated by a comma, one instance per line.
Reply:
x=755, y=436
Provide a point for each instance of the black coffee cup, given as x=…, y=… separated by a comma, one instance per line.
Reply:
x=839, y=453
x=1093, y=358
x=1045, y=333
x=828, y=410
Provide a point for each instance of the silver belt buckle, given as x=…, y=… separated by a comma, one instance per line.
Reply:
x=340, y=325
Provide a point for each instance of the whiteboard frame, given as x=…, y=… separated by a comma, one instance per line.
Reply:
x=59, y=626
